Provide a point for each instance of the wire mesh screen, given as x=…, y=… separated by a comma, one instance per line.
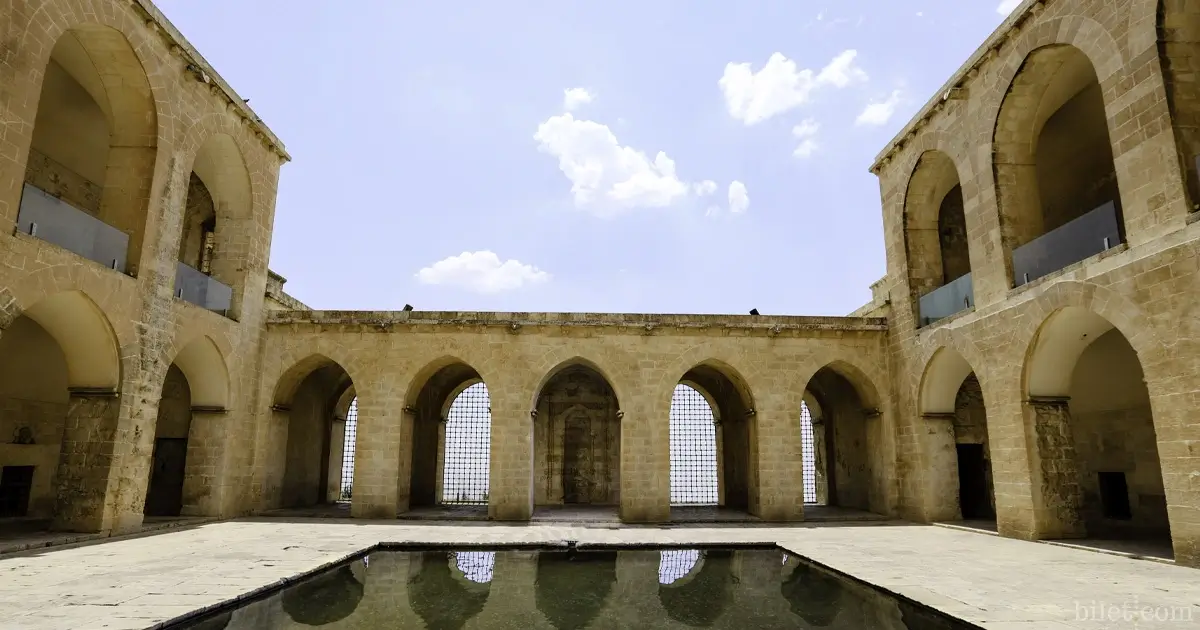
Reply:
x=808, y=454
x=468, y=448
x=693, y=449
x=476, y=566
x=676, y=563
x=348, y=452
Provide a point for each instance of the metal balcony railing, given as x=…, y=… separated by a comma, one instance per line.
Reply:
x=1070, y=243
x=946, y=300
x=203, y=290
x=55, y=221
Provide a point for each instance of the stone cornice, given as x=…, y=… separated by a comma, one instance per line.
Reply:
x=770, y=325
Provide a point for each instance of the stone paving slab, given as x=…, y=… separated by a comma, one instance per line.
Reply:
x=994, y=582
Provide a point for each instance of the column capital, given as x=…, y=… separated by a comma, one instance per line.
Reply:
x=93, y=392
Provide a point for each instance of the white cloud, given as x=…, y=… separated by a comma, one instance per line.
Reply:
x=603, y=172
x=739, y=199
x=880, y=112
x=805, y=133
x=1007, y=6
x=481, y=272
x=705, y=188
x=778, y=87
x=574, y=97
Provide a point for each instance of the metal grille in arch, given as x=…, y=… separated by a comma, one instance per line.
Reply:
x=693, y=449
x=348, y=451
x=808, y=454
x=465, y=471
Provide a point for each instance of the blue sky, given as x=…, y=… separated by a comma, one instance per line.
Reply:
x=438, y=159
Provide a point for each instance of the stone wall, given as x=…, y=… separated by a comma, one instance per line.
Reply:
x=128, y=162
x=981, y=130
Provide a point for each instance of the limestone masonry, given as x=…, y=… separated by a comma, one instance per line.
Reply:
x=1032, y=356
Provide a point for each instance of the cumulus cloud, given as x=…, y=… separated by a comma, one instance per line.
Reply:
x=705, y=188
x=1007, y=6
x=481, y=272
x=879, y=112
x=806, y=137
x=605, y=175
x=779, y=86
x=574, y=97
x=739, y=198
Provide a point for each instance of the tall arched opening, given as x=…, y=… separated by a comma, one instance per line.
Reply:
x=935, y=239
x=60, y=377
x=1055, y=177
x=847, y=433
x=186, y=464
x=712, y=467
x=577, y=439
x=214, y=243
x=91, y=159
x=957, y=449
x=1095, y=455
x=300, y=435
x=452, y=432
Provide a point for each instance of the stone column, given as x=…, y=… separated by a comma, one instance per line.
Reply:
x=382, y=454
x=780, y=460
x=939, y=457
x=202, y=476
x=1057, y=497
x=84, y=492
x=645, y=465
x=510, y=495
x=337, y=446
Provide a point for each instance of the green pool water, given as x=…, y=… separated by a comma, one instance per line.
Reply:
x=741, y=588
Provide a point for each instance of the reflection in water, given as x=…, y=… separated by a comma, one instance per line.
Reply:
x=573, y=590
x=476, y=566
x=435, y=585
x=812, y=594
x=700, y=597
x=573, y=586
x=325, y=598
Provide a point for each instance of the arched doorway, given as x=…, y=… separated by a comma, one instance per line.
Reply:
x=957, y=448
x=91, y=159
x=935, y=238
x=59, y=383
x=811, y=457
x=451, y=452
x=1096, y=466
x=1179, y=49
x=1055, y=176
x=343, y=436
x=213, y=245
x=577, y=439
x=300, y=434
x=712, y=467
x=847, y=433
x=188, y=434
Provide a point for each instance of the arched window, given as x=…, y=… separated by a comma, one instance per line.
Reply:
x=347, y=482
x=693, y=436
x=465, y=472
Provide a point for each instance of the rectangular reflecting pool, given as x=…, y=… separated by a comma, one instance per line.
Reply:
x=568, y=588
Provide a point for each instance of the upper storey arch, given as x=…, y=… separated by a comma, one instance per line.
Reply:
x=935, y=238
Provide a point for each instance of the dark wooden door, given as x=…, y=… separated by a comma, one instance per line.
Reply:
x=577, y=459
x=164, y=497
x=15, y=484
x=973, y=494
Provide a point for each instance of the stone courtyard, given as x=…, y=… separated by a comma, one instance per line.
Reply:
x=1027, y=370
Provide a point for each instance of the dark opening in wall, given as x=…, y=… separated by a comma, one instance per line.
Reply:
x=974, y=495
x=1114, y=496
x=16, y=482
